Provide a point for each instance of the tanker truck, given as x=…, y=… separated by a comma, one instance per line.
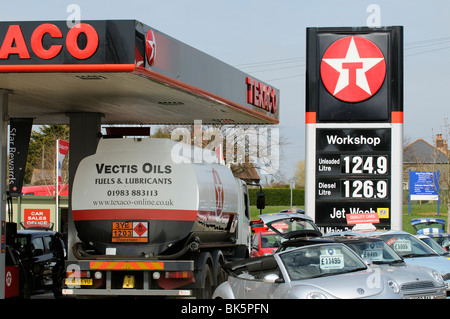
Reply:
x=154, y=217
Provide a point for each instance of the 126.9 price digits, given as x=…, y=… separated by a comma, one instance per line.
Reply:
x=362, y=189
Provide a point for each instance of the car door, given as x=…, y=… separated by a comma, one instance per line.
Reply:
x=258, y=289
x=255, y=246
x=38, y=261
x=51, y=259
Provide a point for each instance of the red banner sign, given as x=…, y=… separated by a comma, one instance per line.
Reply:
x=36, y=218
x=367, y=218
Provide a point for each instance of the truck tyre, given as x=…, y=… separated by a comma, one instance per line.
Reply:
x=219, y=274
x=205, y=290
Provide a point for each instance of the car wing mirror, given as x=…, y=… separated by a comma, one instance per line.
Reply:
x=38, y=252
x=272, y=279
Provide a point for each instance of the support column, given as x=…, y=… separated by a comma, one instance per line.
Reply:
x=3, y=177
x=396, y=212
x=84, y=136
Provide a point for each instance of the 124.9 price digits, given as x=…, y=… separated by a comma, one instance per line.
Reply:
x=357, y=164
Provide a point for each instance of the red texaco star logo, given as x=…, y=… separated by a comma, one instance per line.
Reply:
x=150, y=47
x=353, y=69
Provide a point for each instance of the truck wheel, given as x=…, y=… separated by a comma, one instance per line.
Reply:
x=219, y=274
x=205, y=290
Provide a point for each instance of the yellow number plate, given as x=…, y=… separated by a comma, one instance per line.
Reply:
x=79, y=281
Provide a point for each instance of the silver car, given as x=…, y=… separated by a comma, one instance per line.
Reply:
x=310, y=272
x=416, y=282
x=411, y=249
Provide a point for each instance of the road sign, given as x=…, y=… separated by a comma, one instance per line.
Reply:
x=423, y=186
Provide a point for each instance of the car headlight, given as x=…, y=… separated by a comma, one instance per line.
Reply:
x=316, y=295
x=438, y=277
x=394, y=286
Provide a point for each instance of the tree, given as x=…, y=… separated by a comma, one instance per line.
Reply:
x=42, y=154
x=299, y=176
x=244, y=147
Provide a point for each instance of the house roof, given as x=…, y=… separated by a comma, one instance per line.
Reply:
x=422, y=152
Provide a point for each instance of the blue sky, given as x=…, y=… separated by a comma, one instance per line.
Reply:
x=266, y=38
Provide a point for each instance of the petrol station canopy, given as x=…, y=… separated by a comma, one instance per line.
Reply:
x=126, y=71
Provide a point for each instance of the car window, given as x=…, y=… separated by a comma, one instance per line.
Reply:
x=287, y=225
x=37, y=246
x=320, y=260
x=49, y=246
x=407, y=245
x=21, y=245
x=255, y=242
x=377, y=251
x=270, y=240
x=434, y=245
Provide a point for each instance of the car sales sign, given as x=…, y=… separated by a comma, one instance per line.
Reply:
x=354, y=127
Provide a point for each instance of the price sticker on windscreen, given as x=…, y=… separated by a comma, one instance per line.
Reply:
x=403, y=245
x=331, y=259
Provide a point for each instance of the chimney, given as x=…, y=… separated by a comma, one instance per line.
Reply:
x=439, y=141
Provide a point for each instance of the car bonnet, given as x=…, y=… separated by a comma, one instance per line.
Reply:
x=361, y=284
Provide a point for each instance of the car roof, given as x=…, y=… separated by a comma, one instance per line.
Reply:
x=35, y=232
x=352, y=239
x=366, y=233
x=271, y=217
x=433, y=235
x=302, y=241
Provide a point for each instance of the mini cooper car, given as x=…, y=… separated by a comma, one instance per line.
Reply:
x=412, y=250
x=315, y=271
x=415, y=282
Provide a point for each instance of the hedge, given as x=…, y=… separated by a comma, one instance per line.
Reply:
x=279, y=196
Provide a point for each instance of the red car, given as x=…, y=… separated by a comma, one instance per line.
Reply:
x=271, y=229
x=265, y=243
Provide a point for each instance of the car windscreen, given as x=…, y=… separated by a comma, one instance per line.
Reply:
x=443, y=241
x=435, y=246
x=377, y=251
x=320, y=260
x=270, y=240
x=407, y=245
x=292, y=224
